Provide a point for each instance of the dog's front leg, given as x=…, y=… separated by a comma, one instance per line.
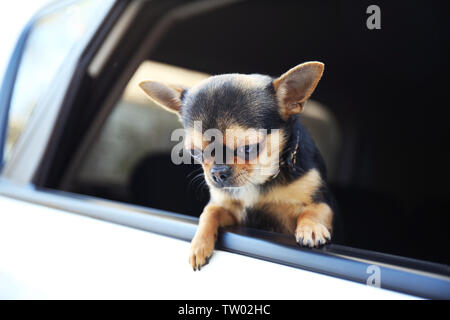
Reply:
x=202, y=245
x=314, y=225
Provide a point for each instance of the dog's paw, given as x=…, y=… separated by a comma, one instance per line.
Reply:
x=201, y=250
x=311, y=234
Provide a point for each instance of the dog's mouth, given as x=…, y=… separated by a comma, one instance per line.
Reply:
x=228, y=180
x=227, y=185
x=234, y=180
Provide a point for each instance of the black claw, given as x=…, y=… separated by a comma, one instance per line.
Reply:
x=300, y=241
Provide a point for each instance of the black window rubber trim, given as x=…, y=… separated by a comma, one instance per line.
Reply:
x=405, y=275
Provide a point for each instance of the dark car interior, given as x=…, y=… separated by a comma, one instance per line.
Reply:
x=386, y=88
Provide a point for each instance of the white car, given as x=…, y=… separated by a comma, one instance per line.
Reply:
x=87, y=190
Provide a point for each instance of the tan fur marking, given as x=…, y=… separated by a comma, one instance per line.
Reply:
x=222, y=199
x=213, y=217
x=319, y=212
x=288, y=202
x=299, y=192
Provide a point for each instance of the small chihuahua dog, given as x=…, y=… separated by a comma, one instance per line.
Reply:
x=272, y=178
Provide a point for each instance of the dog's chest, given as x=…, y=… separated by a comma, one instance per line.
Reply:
x=278, y=216
x=278, y=209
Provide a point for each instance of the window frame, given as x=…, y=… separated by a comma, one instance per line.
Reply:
x=415, y=277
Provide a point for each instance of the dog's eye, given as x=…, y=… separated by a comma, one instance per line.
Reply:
x=248, y=151
x=196, y=154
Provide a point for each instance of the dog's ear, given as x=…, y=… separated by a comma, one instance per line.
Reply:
x=295, y=86
x=168, y=96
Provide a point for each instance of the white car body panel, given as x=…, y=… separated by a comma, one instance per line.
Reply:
x=52, y=254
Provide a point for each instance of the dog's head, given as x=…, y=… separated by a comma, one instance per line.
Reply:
x=236, y=124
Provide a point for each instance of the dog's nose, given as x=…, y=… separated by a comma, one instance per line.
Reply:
x=220, y=173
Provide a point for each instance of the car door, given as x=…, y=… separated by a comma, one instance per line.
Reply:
x=143, y=247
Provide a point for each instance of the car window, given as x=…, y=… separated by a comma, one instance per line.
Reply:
x=51, y=39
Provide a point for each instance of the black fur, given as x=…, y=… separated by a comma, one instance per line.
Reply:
x=307, y=155
x=221, y=102
x=261, y=218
